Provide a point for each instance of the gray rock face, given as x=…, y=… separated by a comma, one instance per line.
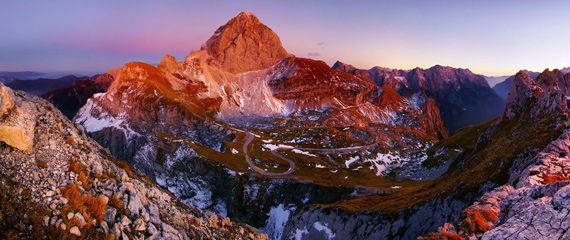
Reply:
x=530, y=213
x=538, y=97
x=502, y=88
x=110, y=214
x=314, y=222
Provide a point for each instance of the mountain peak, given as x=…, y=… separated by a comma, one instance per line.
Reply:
x=244, y=44
x=114, y=71
x=247, y=16
x=344, y=67
x=522, y=88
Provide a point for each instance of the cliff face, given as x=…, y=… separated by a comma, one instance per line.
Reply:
x=75, y=188
x=244, y=44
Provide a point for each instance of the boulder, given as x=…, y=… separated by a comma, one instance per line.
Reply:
x=75, y=231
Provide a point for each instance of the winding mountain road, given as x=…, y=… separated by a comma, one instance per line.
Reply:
x=259, y=170
x=250, y=138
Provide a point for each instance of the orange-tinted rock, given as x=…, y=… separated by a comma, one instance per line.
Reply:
x=17, y=121
x=313, y=84
x=244, y=44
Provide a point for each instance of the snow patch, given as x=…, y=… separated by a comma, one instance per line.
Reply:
x=251, y=190
x=383, y=161
x=234, y=151
x=95, y=119
x=319, y=166
x=220, y=207
x=275, y=224
x=299, y=233
x=304, y=153
x=161, y=180
x=351, y=160
x=275, y=147
x=324, y=228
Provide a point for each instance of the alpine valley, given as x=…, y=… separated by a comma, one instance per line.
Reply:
x=243, y=140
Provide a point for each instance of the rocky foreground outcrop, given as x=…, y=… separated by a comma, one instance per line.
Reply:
x=81, y=190
x=17, y=122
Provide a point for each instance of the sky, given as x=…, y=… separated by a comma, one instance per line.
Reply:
x=493, y=38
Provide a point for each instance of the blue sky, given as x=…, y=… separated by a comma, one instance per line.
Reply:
x=488, y=37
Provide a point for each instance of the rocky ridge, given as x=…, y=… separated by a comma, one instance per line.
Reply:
x=502, y=88
x=42, y=85
x=533, y=204
x=463, y=98
x=86, y=192
x=71, y=98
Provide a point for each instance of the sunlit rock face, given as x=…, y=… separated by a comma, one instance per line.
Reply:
x=244, y=44
x=17, y=120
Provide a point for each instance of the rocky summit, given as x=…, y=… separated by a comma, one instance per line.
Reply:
x=244, y=44
x=58, y=183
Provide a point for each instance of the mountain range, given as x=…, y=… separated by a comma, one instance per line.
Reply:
x=42, y=85
x=243, y=140
x=70, y=98
x=463, y=98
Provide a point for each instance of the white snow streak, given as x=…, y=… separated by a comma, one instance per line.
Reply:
x=324, y=228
